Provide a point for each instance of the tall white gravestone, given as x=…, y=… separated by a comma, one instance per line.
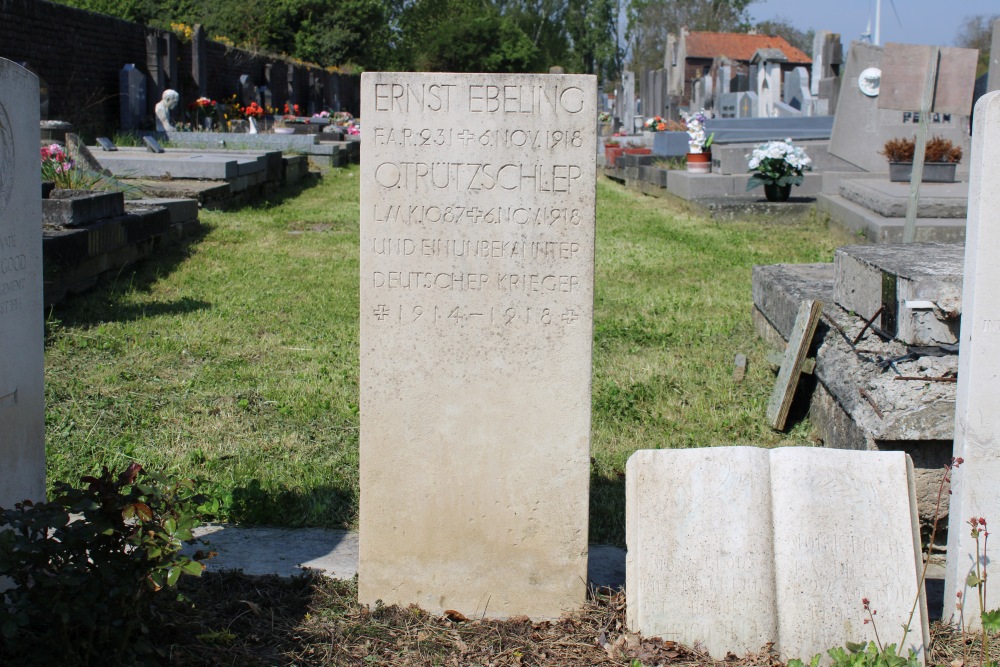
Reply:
x=22, y=418
x=975, y=484
x=477, y=248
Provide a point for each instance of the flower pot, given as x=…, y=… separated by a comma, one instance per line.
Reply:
x=638, y=151
x=934, y=172
x=699, y=163
x=775, y=192
x=611, y=154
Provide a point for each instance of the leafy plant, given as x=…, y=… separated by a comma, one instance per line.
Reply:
x=938, y=149
x=85, y=566
x=777, y=163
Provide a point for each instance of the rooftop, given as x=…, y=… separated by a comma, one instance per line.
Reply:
x=739, y=46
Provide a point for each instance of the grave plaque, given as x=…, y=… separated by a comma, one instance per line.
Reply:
x=737, y=547
x=132, y=100
x=977, y=397
x=477, y=247
x=861, y=127
x=22, y=419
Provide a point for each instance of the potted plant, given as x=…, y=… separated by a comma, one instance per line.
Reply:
x=941, y=158
x=699, y=156
x=604, y=123
x=777, y=165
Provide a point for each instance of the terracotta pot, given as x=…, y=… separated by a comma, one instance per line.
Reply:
x=699, y=163
x=611, y=154
x=638, y=151
x=775, y=192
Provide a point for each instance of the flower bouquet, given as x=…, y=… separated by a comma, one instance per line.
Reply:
x=699, y=141
x=204, y=110
x=655, y=124
x=777, y=165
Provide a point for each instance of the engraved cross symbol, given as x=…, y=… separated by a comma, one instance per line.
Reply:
x=466, y=137
x=381, y=312
x=570, y=316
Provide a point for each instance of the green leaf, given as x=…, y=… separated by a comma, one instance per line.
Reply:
x=991, y=620
x=194, y=568
x=972, y=580
x=755, y=181
x=173, y=574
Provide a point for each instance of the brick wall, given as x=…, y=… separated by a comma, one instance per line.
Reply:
x=79, y=55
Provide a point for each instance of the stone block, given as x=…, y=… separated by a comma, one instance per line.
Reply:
x=476, y=331
x=778, y=289
x=180, y=210
x=733, y=548
x=918, y=286
x=75, y=208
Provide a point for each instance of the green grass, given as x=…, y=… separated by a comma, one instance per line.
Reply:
x=234, y=359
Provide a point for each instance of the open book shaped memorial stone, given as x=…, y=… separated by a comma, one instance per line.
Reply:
x=732, y=548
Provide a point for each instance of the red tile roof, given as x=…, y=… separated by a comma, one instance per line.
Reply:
x=739, y=46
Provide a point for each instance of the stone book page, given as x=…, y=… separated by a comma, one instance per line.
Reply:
x=732, y=548
x=845, y=529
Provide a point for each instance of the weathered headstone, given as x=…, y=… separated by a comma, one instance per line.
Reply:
x=977, y=399
x=199, y=60
x=738, y=547
x=628, y=101
x=993, y=80
x=818, y=62
x=796, y=92
x=747, y=105
x=727, y=105
x=132, y=100
x=22, y=418
x=861, y=128
x=477, y=244
x=768, y=62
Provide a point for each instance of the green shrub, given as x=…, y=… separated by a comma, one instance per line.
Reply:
x=85, y=566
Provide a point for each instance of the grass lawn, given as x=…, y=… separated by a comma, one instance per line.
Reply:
x=234, y=359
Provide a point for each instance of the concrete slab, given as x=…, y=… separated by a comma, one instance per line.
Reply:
x=888, y=199
x=778, y=289
x=179, y=165
x=260, y=550
x=180, y=210
x=242, y=141
x=863, y=225
x=918, y=286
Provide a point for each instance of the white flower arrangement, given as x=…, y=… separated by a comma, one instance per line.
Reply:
x=778, y=163
x=699, y=141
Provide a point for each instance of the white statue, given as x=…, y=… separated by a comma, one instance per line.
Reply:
x=163, y=107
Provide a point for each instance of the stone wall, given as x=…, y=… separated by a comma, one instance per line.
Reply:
x=78, y=55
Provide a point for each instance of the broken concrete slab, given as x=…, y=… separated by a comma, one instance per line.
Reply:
x=74, y=208
x=888, y=199
x=917, y=286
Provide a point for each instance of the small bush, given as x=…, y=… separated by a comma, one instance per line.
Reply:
x=85, y=566
x=938, y=149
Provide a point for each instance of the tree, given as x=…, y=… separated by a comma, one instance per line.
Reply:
x=650, y=21
x=976, y=32
x=782, y=27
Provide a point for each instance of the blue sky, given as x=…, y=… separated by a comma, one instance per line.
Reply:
x=923, y=21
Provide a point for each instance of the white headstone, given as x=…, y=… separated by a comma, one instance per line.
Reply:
x=796, y=92
x=22, y=417
x=477, y=247
x=628, y=101
x=736, y=547
x=768, y=88
x=818, y=64
x=975, y=483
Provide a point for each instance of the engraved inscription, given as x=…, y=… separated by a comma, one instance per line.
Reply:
x=429, y=177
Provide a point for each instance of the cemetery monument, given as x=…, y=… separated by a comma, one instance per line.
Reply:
x=163, y=108
x=477, y=250
x=22, y=418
